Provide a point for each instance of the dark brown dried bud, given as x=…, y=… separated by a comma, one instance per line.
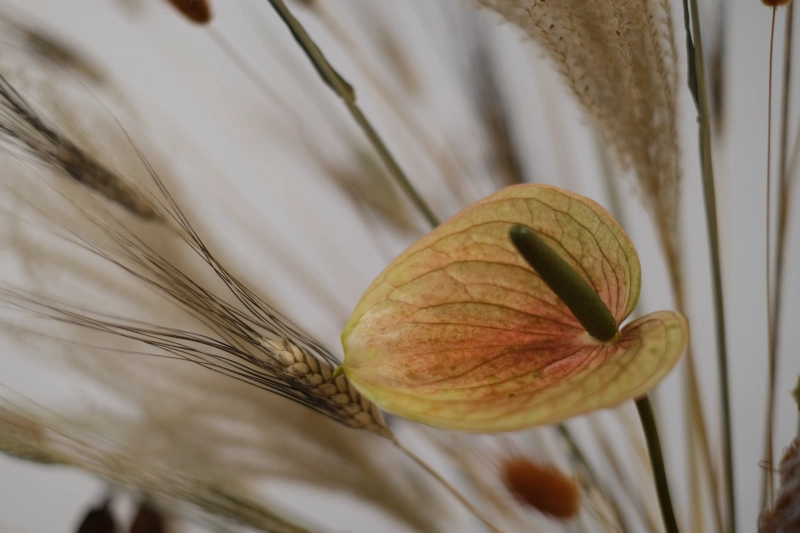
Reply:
x=98, y=520
x=776, y=3
x=544, y=488
x=198, y=11
x=148, y=520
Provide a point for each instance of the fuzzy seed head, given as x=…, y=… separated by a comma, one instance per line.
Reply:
x=544, y=488
x=198, y=11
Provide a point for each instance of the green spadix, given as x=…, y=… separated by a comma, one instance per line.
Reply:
x=507, y=316
x=566, y=283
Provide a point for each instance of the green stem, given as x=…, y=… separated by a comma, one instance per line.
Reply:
x=657, y=461
x=345, y=91
x=697, y=85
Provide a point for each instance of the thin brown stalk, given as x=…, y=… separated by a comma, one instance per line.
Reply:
x=716, y=67
x=768, y=481
x=784, y=195
x=629, y=486
x=345, y=91
x=446, y=484
x=593, y=477
x=417, y=130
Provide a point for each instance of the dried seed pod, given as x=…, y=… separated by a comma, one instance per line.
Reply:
x=776, y=3
x=148, y=520
x=99, y=520
x=544, y=488
x=198, y=11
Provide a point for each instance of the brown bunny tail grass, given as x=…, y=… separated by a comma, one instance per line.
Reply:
x=198, y=11
x=544, y=488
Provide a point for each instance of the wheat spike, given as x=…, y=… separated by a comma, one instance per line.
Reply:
x=353, y=409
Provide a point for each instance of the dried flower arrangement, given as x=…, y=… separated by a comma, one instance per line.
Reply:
x=503, y=312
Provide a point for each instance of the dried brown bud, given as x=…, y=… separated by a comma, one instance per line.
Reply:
x=98, y=520
x=544, y=488
x=198, y=11
x=776, y=3
x=148, y=520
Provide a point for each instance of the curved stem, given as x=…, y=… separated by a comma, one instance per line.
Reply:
x=344, y=91
x=657, y=461
x=454, y=491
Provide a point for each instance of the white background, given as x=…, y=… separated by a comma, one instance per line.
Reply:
x=176, y=70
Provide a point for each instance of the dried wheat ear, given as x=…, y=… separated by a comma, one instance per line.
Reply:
x=350, y=407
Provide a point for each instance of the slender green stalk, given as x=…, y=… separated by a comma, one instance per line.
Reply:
x=784, y=194
x=345, y=91
x=657, y=461
x=697, y=85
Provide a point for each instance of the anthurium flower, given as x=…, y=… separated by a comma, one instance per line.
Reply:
x=461, y=332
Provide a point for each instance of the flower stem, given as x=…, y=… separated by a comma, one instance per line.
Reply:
x=657, y=461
